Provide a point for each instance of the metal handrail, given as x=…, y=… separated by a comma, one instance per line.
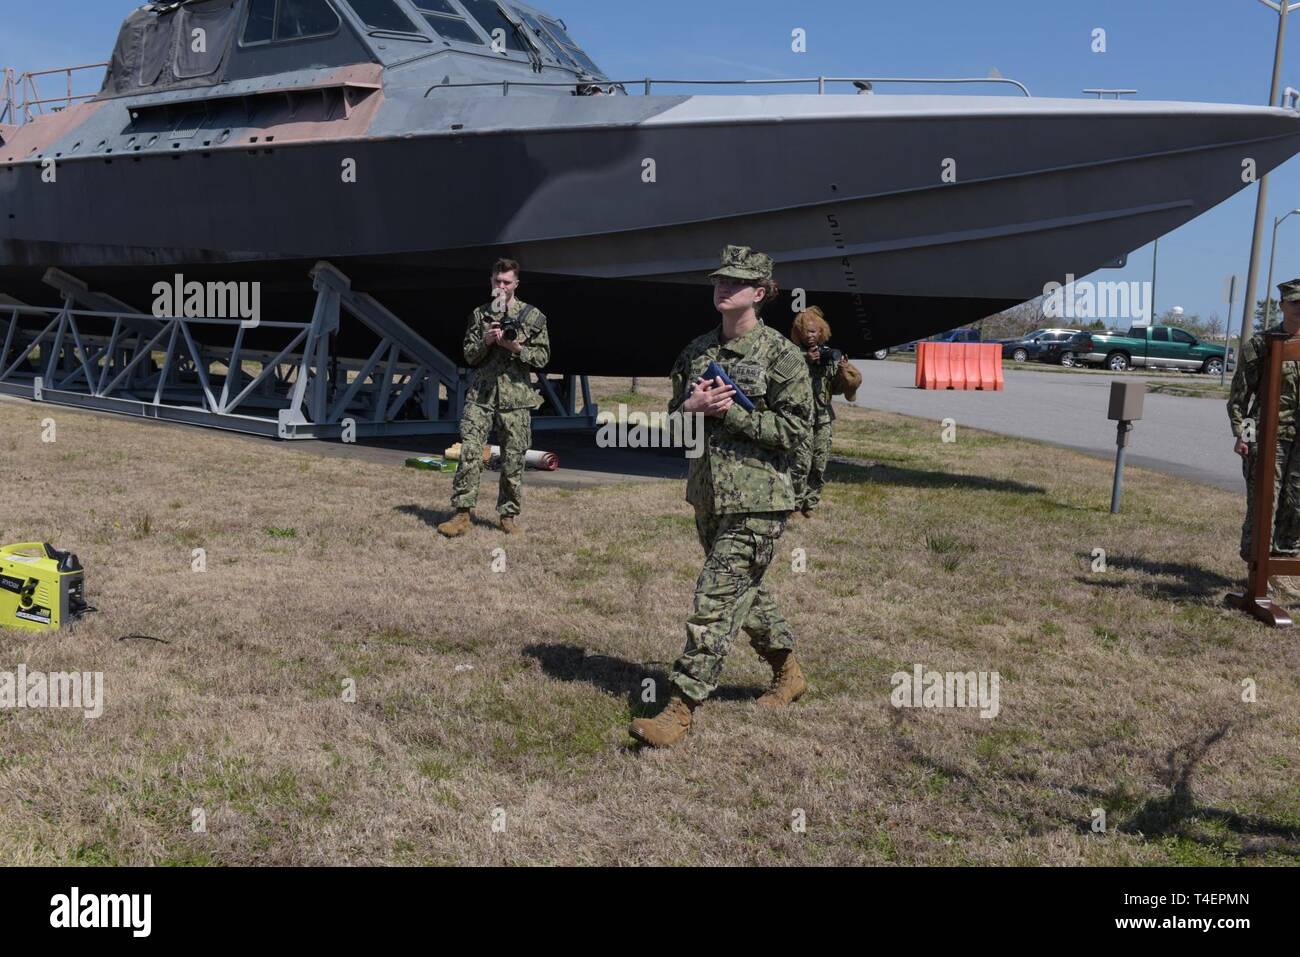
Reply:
x=1103, y=92
x=31, y=104
x=648, y=82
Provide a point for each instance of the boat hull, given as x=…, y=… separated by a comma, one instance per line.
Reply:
x=902, y=217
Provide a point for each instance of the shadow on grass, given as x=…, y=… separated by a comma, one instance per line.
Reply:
x=1193, y=580
x=851, y=473
x=433, y=518
x=618, y=676
x=900, y=738
x=1175, y=814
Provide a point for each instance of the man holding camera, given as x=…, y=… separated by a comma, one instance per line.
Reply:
x=505, y=341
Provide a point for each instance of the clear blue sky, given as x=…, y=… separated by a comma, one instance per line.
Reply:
x=1208, y=50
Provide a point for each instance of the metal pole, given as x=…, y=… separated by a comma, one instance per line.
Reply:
x=1227, y=333
x=1268, y=286
x=1261, y=202
x=1155, y=256
x=1117, y=489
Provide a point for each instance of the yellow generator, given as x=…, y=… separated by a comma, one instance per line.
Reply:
x=41, y=587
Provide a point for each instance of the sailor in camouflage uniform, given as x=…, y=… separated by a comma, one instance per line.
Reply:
x=501, y=394
x=812, y=332
x=1243, y=412
x=741, y=489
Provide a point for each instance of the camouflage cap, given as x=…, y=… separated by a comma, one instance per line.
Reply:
x=1290, y=290
x=741, y=262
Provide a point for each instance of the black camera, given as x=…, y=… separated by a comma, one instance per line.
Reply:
x=827, y=356
x=510, y=326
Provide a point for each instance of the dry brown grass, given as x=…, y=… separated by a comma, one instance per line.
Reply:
x=1119, y=690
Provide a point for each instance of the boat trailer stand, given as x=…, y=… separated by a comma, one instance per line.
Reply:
x=98, y=353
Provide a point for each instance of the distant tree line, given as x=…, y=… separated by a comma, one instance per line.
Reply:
x=1028, y=316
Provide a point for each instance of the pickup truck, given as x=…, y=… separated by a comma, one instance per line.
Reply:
x=1155, y=347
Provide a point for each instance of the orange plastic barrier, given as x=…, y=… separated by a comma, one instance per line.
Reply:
x=959, y=365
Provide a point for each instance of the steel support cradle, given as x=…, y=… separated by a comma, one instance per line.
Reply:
x=99, y=353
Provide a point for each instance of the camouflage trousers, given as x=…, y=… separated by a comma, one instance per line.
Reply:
x=515, y=430
x=729, y=596
x=810, y=460
x=1286, y=498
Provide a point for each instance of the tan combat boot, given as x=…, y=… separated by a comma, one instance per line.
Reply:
x=667, y=727
x=457, y=526
x=788, y=683
x=508, y=525
x=1284, y=587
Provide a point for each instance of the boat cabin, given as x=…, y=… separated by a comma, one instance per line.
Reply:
x=172, y=45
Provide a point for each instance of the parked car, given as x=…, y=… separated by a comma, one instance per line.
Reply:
x=1065, y=347
x=902, y=347
x=958, y=335
x=1156, y=347
x=1037, y=344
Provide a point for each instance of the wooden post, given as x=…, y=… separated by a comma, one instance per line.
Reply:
x=1279, y=348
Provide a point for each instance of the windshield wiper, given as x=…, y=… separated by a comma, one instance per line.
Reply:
x=531, y=48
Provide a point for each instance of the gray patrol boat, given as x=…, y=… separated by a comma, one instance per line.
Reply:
x=409, y=142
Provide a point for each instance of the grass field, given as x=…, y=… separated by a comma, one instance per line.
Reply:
x=490, y=710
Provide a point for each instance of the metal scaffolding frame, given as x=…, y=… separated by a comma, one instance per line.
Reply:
x=98, y=353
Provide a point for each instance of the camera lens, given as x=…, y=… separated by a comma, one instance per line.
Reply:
x=510, y=335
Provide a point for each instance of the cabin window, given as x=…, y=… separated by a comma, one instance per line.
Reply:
x=572, y=48
x=490, y=17
x=270, y=20
x=1183, y=337
x=383, y=15
x=1159, y=335
x=304, y=18
x=447, y=21
x=557, y=51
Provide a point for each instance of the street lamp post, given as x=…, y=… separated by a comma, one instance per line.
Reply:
x=1261, y=201
x=1155, y=259
x=1272, y=254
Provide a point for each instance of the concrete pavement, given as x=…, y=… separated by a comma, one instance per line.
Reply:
x=1178, y=435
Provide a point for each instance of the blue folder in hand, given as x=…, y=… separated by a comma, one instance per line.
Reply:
x=714, y=371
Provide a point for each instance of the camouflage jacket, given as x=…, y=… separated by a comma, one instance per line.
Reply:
x=823, y=382
x=1243, y=400
x=745, y=466
x=500, y=379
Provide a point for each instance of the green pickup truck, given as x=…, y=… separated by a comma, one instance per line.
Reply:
x=1155, y=347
